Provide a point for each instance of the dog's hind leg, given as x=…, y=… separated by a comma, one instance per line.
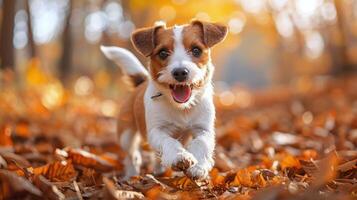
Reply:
x=130, y=142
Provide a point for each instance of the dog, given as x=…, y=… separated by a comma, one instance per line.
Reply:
x=172, y=101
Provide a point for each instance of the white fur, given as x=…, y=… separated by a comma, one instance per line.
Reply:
x=199, y=119
x=181, y=58
x=196, y=116
x=126, y=60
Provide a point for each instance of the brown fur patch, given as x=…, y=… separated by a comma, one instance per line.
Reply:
x=132, y=112
x=163, y=40
x=144, y=39
x=213, y=33
x=193, y=37
x=137, y=79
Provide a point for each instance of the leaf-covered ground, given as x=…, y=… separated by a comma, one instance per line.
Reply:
x=296, y=142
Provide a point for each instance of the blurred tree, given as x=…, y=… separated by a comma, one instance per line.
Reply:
x=67, y=46
x=31, y=42
x=7, y=34
x=281, y=73
x=106, y=39
x=306, y=39
x=339, y=55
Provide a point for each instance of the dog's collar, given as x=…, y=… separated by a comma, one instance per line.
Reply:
x=156, y=95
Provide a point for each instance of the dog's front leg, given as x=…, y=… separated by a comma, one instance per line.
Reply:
x=202, y=147
x=172, y=152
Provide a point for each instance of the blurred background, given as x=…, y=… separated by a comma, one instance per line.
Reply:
x=270, y=42
x=285, y=85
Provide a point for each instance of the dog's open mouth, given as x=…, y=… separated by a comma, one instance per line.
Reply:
x=181, y=93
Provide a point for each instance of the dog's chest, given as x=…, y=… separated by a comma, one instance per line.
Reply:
x=179, y=119
x=160, y=113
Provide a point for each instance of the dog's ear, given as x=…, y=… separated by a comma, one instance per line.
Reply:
x=213, y=33
x=144, y=39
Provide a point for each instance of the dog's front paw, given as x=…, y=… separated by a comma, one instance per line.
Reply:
x=197, y=172
x=182, y=161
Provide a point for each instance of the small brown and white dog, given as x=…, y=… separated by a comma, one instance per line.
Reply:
x=173, y=99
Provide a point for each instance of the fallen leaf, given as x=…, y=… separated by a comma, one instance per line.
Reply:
x=50, y=190
x=5, y=135
x=288, y=160
x=13, y=186
x=57, y=171
x=180, y=183
x=352, y=164
x=87, y=159
x=14, y=161
x=217, y=179
x=243, y=177
x=78, y=192
x=115, y=193
x=326, y=170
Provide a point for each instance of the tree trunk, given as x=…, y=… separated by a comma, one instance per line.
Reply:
x=344, y=62
x=7, y=34
x=67, y=47
x=32, y=46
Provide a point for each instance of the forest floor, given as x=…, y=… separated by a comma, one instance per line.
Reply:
x=296, y=142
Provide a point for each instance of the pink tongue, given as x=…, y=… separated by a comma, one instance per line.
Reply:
x=181, y=94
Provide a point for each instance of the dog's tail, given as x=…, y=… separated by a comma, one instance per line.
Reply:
x=128, y=62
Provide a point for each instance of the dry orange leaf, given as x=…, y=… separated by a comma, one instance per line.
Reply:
x=259, y=180
x=22, y=129
x=289, y=161
x=114, y=193
x=14, y=161
x=216, y=178
x=87, y=159
x=13, y=186
x=309, y=154
x=50, y=190
x=5, y=136
x=181, y=183
x=154, y=192
x=57, y=171
x=327, y=169
x=243, y=177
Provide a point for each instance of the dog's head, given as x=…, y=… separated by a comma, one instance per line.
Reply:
x=180, y=63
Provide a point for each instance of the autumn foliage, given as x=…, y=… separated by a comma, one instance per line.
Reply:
x=296, y=142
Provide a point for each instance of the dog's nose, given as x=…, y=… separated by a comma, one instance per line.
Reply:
x=180, y=74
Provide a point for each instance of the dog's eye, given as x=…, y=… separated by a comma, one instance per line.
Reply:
x=196, y=52
x=163, y=54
